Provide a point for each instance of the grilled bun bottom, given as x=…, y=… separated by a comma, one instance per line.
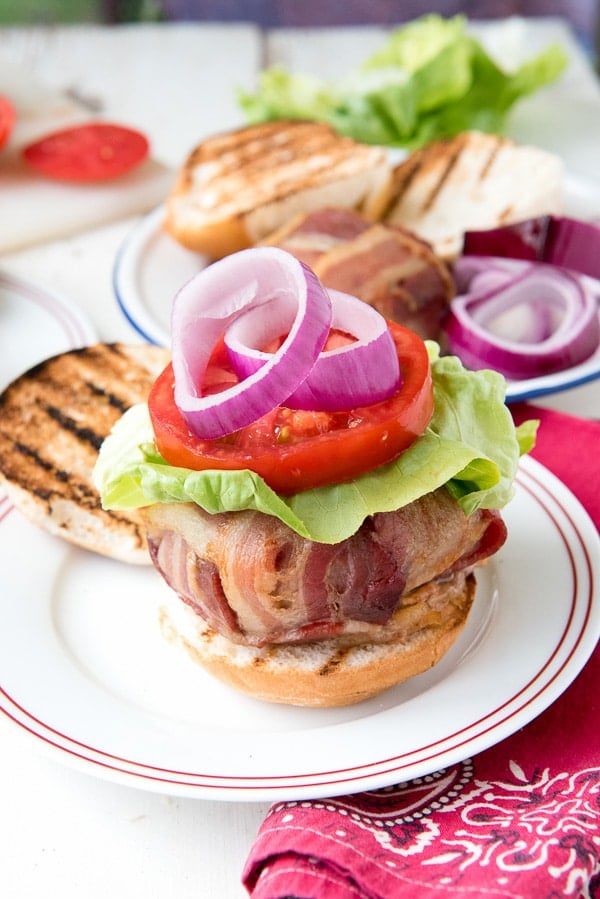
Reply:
x=53, y=419
x=329, y=672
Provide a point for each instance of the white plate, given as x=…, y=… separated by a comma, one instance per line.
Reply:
x=151, y=266
x=85, y=673
x=149, y=269
x=34, y=325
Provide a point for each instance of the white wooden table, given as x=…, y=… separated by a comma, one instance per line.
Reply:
x=66, y=833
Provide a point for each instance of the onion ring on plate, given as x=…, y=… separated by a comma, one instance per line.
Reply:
x=554, y=322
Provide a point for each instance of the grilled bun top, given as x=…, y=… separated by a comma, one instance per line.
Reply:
x=237, y=187
x=53, y=420
x=469, y=182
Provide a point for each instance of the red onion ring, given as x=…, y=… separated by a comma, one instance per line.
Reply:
x=558, y=240
x=252, y=297
x=466, y=268
x=561, y=327
x=360, y=373
x=216, y=297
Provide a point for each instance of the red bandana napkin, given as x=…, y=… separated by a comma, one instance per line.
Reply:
x=521, y=819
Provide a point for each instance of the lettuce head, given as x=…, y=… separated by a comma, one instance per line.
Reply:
x=429, y=80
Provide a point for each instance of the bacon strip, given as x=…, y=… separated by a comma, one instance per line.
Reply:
x=255, y=581
x=386, y=266
x=309, y=235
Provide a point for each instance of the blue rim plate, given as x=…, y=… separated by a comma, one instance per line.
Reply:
x=150, y=267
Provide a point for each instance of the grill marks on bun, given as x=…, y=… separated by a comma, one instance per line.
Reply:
x=472, y=181
x=237, y=187
x=53, y=420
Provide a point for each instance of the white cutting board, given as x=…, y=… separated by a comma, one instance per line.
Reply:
x=35, y=209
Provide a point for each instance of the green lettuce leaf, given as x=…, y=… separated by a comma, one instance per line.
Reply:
x=414, y=45
x=471, y=445
x=430, y=79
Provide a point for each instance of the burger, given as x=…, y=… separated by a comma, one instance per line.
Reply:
x=318, y=485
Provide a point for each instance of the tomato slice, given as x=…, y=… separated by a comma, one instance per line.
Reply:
x=298, y=450
x=7, y=119
x=96, y=151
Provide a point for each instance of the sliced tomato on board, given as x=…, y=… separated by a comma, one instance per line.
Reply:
x=95, y=151
x=297, y=450
x=7, y=119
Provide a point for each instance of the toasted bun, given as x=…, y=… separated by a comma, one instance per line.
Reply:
x=330, y=672
x=236, y=188
x=470, y=182
x=52, y=422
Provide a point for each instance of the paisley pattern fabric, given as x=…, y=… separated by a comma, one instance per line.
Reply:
x=519, y=821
